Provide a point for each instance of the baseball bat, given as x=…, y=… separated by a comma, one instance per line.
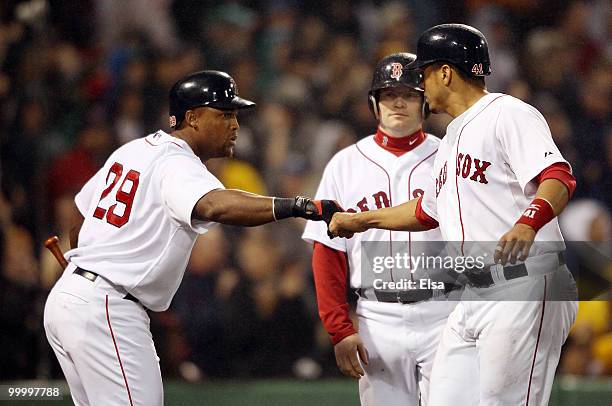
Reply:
x=52, y=244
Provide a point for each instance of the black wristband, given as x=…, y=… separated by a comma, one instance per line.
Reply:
x=283, y=207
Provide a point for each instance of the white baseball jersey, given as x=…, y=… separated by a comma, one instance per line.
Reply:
x=501, y=344
x=483, y=172
x=364, y=177
x=138, y=232
x=401, y=339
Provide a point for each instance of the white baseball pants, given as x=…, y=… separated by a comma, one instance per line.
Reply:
x=401, y=340
x=103, y=343
x=501, y=352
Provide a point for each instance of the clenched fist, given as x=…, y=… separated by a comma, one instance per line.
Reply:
x=346, y=224
x=306, y=208
x=325, y=209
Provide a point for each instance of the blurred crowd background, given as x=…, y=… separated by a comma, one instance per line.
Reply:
x=79, y=78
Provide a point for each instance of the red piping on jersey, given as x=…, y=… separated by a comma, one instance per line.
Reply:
x=390, y=197
x=457, y=176
x=409, y=178
x=398, y=146
x=457, y=188
x=537, y=343
x=118, y=356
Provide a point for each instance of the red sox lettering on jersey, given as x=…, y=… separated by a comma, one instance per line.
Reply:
x=484, y=178
x=380, y=200
x=467, y=167
x=441, y=179
x=502, y=343
x=484, y=174
x=363, y=177
x=384, y=180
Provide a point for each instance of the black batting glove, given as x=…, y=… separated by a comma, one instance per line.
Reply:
x=324, y=210
x=307, y=208
x=319, y=209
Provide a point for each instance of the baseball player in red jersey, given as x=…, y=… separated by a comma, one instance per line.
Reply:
x=498, y=176
x=139, y=218
x=392, y=350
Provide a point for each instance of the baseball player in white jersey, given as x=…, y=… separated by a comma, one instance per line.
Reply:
x=398, y=330
x=498, y=176
x=139, y=218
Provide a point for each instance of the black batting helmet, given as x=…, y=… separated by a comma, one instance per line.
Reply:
x=391, y=71
x=208, y=88
x=458, y=44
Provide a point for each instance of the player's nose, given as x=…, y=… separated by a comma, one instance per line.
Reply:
x=234, y=126
x=399, y=102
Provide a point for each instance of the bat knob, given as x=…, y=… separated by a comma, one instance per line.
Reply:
x=51, y=241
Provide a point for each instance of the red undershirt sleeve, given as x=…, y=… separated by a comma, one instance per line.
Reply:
x=330, y=273
x=562, y=173
x=423, y=217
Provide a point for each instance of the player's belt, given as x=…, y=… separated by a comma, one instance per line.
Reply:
x=484, y=278
x=91, y=276
x=403, y=296
x=407, y=296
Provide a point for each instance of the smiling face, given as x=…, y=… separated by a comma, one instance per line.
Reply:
x=216, y=131
x=400, y=110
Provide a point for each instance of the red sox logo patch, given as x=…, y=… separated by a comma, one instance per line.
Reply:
x=396, y=70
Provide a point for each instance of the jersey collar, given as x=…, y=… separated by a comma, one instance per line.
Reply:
x=399, y=146
x=161, y=136
x=456, y=123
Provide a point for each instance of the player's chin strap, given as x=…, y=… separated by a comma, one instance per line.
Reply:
x=374, y=106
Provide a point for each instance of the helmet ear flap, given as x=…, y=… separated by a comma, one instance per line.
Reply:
x=373, y=104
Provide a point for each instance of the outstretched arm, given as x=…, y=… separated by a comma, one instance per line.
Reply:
x=237, y=207
x=405, y=217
